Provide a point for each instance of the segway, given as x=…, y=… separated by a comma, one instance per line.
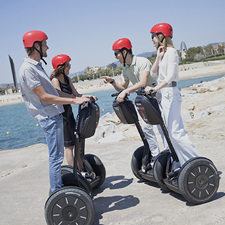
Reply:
x=73, y=204
x=94, y=170
x=140, y=164
x=93, y=167
x=197, y=180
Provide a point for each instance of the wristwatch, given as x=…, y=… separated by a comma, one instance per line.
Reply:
x=111, y=82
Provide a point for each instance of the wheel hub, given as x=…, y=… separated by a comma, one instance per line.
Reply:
x=202, y=182
x=69, y=213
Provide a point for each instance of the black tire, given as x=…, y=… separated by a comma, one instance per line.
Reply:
x=66, y=169
x=69, y=205
x=198, y=180
x=70, y=180
x=98, y=168
x=136, y=162
x=159, y=169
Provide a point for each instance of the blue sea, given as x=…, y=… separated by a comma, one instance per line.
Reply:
x=19, y=130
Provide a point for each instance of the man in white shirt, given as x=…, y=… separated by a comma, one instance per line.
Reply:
x=43, y=102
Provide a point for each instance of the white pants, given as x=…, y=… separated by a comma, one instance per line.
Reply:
x=171, y=112
x=150, y=137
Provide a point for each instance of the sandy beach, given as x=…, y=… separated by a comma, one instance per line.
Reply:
x=123, y=199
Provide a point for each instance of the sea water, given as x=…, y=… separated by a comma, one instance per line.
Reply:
x=19, y=130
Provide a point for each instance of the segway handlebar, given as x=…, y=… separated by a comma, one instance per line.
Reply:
x=116, y=94
x=142, y=92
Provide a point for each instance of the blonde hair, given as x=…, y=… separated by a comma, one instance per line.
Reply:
x=164, y=41
x=29, y=50
x=57, y=71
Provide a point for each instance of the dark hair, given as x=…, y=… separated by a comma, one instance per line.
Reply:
x=129, y=51
x=57, y=71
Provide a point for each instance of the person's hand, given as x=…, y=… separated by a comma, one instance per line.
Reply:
x=107, y=79
x=148, y=89
x=80, y=100
x=160, y=52
x=121, y=96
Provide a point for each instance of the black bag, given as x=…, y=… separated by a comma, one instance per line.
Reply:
x=87, y=119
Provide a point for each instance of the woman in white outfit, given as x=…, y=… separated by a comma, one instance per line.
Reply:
x=165, y=68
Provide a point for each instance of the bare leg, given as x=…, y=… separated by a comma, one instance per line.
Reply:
x=69, y=157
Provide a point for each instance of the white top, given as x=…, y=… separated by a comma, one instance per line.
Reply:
x=168, y=67
x=32, y=75
x=138, y=66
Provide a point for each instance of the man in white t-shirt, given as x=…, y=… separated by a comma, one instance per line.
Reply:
x=137, y=70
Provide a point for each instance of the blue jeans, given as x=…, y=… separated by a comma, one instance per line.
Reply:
x=53, y=128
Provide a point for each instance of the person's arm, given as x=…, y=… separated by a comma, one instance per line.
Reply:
x=143, y=78
x=119, y=87
x=52, y=99
x=159, y=56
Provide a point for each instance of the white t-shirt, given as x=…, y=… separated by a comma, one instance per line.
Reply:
x=168, y=67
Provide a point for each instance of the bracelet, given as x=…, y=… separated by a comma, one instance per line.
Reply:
x=111, y=82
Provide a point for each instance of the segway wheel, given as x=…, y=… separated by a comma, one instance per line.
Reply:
x=136, y=162
x=69, y=205
x=98, y=168
x=66, y=169
x=159, y=169
x=198, y=180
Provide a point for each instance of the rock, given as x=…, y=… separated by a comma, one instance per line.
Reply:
x=202, y=89
x=213, y=88
x=198, y=85
x=191, y=107
x=200, y=114
x=220, y=107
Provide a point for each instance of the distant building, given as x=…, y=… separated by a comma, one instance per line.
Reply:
x=94, y=69
x=183, y=49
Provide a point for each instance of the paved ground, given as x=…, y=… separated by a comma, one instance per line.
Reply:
x=122, y=199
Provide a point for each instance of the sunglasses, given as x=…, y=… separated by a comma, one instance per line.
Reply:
x=67, y=65
x=154, y=35
x=116, y=53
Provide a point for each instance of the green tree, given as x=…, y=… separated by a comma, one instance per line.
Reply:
x=221, y=49
x=152, y=58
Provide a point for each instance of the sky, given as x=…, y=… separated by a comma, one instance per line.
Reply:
x=86, y=29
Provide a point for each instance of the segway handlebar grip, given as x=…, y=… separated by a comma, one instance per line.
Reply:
x=116, y=94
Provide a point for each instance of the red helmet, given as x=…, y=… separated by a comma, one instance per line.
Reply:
x=122, y=43
x=164, y=28
x=31, y=36
x=60, y=60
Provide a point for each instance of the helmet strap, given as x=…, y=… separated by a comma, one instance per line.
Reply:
x=41, y=54
x=124, y=57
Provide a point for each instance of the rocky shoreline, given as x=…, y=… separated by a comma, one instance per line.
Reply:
x=201, y=103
